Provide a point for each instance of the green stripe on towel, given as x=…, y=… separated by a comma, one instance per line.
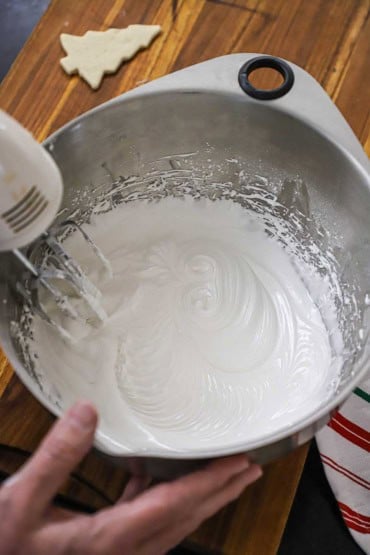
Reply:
x=361, y=393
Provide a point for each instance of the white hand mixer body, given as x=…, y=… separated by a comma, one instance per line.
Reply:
x=31, y=186
x=31, y=190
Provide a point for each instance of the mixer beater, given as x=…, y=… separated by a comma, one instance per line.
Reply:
x=31, y=190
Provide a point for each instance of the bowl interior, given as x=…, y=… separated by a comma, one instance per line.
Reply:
x=310, y=193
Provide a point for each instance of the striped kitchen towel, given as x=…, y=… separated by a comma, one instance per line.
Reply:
x=344, y=446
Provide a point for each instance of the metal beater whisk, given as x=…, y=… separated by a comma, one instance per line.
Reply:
x=31, y=189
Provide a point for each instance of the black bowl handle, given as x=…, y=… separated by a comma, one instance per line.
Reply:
x=271, y=62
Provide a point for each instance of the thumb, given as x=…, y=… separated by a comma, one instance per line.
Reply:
x=61, y=450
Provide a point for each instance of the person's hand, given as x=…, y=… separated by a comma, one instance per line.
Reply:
x=148, y=522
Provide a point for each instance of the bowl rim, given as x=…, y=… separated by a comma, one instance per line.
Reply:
x=102, y=441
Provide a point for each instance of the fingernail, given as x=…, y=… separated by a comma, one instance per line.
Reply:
x=257, y=471
x=83, y=414
x=9, y=482
x=244, y=463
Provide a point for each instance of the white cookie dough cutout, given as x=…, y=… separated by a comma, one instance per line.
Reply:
x=98, y=52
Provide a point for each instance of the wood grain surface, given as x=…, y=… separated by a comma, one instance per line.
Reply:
x=328, y=38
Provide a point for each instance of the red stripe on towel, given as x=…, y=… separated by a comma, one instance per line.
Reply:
x=355, y=434
x=342, y=470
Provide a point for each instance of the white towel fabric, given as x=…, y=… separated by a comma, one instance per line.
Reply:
x=344, y=446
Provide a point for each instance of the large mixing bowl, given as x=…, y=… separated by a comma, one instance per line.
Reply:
x=200, y=132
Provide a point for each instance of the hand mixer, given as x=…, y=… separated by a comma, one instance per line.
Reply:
x=31, y=190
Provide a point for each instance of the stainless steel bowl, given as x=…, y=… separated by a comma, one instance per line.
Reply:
x=201, y=129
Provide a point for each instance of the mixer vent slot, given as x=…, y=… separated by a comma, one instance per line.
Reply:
x=25, y=212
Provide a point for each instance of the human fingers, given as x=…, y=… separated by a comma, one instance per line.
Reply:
x=169, y=536
x=162, y=505
x=60, y=451
x=193, y=488
x=135, y=486
x=138, y=526
x=231, y=491
x=57, y=514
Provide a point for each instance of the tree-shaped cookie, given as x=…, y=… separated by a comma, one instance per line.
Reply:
x=99, y=52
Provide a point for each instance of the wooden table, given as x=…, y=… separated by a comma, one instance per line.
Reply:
x=329, y=38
